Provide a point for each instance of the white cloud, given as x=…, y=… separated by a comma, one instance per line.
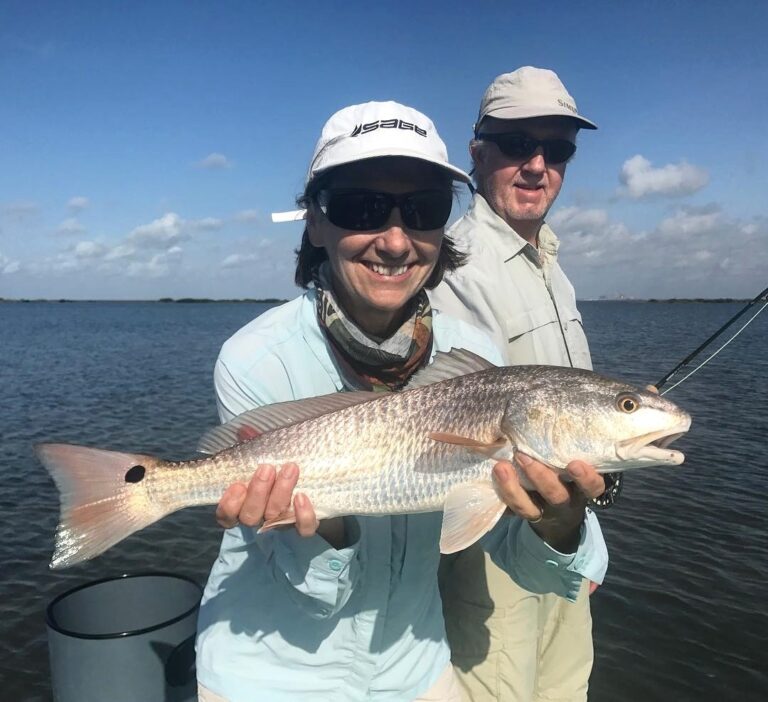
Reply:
x=214, y=161
x=158, y=266
x=20, y=211
x=247, y=216
x=158, y=234
x=120, y=251
x=62, y=263
x=169, y=230
x=149, y=251
x=237, y=260
x=207, y=224
x=78, y=203
x=577, y=219
x=71, y=227
x=590, y=234
x=89, y=249
x=642, y=180
x=260, y=252
x=694, y=252
x=691, y=222
x=8, y=266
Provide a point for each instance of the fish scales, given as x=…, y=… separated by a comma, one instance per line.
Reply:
x=374, y=458
x=429, y=448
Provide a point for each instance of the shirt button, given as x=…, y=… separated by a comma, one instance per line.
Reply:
x=334, y=565
x=552, y=564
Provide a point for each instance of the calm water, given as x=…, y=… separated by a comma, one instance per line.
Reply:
x=682, y=615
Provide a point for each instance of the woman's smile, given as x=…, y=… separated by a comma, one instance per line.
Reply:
x=388, y=271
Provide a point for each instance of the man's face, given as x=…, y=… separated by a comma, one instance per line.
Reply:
x=521, y=190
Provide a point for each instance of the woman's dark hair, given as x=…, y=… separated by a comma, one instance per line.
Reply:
x=309, y=257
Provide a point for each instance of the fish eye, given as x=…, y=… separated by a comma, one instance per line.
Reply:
x=627, y=403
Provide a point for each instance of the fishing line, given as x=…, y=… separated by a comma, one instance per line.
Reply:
x=759, y=298
x=672, y=387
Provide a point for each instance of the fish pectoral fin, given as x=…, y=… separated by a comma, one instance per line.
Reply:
x=481, y=447
x=470, y=511
x=286, y=517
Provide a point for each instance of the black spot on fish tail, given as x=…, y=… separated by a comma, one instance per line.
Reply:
x=135, y=474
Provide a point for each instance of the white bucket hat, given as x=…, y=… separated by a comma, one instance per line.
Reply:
x=529, y=92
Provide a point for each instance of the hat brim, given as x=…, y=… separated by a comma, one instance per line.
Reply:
x=529, y=112
x=456, y=173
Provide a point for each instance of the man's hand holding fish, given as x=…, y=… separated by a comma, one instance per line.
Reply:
x=554, y=508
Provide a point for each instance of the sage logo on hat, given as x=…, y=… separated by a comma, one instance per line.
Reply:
x=377, y=129
x=529, y=92
x=388, y=124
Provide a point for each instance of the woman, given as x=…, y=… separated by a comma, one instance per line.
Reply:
x=348, y=608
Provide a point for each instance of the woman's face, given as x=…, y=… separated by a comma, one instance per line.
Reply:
x=376, y=273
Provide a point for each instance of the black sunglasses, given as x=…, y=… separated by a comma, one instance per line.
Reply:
x=367, y=210
x=521, y=146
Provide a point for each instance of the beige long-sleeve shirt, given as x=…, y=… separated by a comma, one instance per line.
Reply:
x=516, y=293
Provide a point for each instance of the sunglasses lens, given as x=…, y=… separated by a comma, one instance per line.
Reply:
x=357, y=211
x=426, y=210
x=361, y=211
x=558, y=150
x=520, y=146
x=516, y=146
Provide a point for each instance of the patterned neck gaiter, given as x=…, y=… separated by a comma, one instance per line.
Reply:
x=368, y=363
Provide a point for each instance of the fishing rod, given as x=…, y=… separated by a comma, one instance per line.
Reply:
x=762, y=297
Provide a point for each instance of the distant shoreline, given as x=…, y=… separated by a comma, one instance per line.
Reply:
x=674, y=300
x=183, y=300
x=275, y=300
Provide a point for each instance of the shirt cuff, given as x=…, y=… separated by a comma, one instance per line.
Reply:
x=590, y=559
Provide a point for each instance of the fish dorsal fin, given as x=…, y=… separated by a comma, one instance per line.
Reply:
x=470, y=511
x=276, y=416
x=481, y=447
x=446, y=365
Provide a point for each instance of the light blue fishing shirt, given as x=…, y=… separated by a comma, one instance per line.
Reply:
x=285, y=617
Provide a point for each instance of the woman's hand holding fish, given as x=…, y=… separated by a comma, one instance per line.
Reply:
x=554, y=508
x=268, y=495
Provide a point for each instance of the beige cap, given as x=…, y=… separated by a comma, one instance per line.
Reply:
x=529, y=92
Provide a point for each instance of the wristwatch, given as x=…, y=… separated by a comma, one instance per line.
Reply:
x=613, y=484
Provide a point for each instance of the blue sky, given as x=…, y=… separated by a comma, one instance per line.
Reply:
x=144, y=145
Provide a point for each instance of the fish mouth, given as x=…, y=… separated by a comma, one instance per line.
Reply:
x=653, y=447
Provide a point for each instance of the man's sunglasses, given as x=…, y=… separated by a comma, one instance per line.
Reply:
x=521, y=147
x=368, y=210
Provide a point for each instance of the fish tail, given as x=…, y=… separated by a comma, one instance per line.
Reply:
x=103, y=499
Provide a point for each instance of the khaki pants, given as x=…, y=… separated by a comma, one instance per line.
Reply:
x=446, y=689
x=511, y=645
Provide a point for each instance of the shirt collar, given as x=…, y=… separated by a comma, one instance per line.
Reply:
x=507, y=240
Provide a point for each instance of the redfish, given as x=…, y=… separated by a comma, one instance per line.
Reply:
x=428, y=448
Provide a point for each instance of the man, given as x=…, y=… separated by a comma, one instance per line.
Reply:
x=509, y=644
